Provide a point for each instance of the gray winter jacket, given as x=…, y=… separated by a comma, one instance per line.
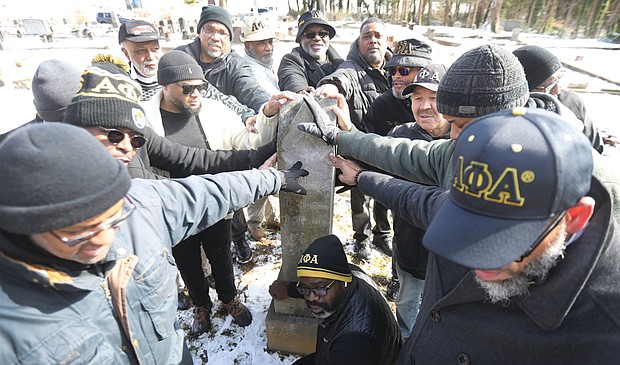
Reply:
x=121, y=310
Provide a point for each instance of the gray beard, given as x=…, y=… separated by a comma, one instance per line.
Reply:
x=503, y=291
x=398, y=94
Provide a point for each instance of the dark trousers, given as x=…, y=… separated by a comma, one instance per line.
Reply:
x=215, y=241
x=239, y=226
x=360, y=214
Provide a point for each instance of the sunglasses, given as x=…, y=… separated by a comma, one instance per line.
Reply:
x=311, y=35
x=319, y=292
x=116, y=136
x=550, y=227
x=403, y=71
x=85, y=237
x=547, y=88
x=189, y=89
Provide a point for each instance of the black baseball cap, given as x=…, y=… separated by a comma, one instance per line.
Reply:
x=515, y=170
x=138, y=31
x=428, y=77
x=410, y=53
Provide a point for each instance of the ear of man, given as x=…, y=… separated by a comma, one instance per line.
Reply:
x=579, y=215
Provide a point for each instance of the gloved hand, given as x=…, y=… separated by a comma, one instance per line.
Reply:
x=261, y=154
x=322, y=127
x=289, y=179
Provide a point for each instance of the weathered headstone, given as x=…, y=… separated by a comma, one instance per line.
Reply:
x=290, y=325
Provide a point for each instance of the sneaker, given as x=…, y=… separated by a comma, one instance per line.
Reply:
x=257, y=233
x=184, y=301
x=392, y=289
x=240, y=313
x=202, y=321
x=243, y=252
x=362, y=249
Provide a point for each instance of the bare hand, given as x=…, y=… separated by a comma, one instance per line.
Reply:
x=342, y=112
x=249, y=124
x=327, y=91
x=349, y=168
x=278, y=289
x=270, y=162
x=275, y=103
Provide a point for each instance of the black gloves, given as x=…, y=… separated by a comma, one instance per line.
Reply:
x=261, y=154
x=322, y=127
x=289, y=179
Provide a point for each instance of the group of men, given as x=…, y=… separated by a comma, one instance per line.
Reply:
x=504, y=230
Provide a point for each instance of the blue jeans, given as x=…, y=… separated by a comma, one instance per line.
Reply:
x=408, y=300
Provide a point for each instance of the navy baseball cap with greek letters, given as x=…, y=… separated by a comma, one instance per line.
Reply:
x=515, y=170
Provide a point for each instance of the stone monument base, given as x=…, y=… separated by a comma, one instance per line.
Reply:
x=291, y=334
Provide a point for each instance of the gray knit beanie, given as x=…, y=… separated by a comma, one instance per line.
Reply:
x=53, y=85
x=45, y=188
x=109, y=98
x=218, y=14
x=177, y=66
x=483, y=80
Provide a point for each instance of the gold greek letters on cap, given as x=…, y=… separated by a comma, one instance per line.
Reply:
x=476, y=180
x=307, y=258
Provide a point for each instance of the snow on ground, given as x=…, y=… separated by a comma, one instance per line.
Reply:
x=228, y=343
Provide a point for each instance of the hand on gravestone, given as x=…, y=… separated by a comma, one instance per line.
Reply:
x=323, y=127
x=289, y=179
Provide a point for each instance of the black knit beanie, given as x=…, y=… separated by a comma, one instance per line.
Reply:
x=325, y=259
x=177, y=66
x=538, y=63
x=218, y=14
x=483, y=80
x=53, y=86
x=45, y=187
x=109, y=98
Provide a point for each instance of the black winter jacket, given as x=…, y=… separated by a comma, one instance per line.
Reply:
x=573, y=102
x=231, y=75
x=387, y=112
x=360, y=83
x=362, y=331
x=182, y=160
x=298, y=70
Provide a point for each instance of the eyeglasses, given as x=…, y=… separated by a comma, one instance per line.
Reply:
x=548, y=228
x=311, y=35
x=319, y=292
x=189, y=89
x=403, y=71
x=547, y=88
x=210, y=32
x=116, y=136
x=85, y=237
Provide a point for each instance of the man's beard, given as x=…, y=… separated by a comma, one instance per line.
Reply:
x=144, y=71
x=186, y=109
x=328, y=309
x=317, y=55
x=398, y=94
x=267, y=60
x=538, y=268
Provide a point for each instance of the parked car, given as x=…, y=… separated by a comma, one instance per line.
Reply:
x=106, y=17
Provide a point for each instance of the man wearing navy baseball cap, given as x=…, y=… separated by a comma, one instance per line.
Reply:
x=524, y=255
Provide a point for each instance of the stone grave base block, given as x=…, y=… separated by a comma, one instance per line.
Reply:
x=291, y=334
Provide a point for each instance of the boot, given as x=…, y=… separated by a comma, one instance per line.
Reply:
x=202, y=321
x=257, y=233
x=384, y=245
x=240, y=313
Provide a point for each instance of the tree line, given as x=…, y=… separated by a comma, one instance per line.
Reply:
x=566, y=18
